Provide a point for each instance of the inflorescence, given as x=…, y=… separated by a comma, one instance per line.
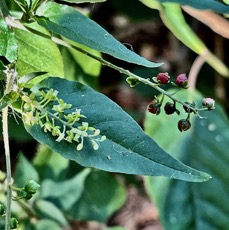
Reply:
x=181, y=82
x=54, y=116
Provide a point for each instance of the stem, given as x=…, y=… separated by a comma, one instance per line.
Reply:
x=123, y=71
x=10, y=74
x=27, y=209
x=8, y=166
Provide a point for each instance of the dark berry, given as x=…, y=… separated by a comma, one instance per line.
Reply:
x=184, y=125
x=209, y=103
x=163, y=78
x=154, y=107
x=188, y=110
x=182, y=80
x=169, y=108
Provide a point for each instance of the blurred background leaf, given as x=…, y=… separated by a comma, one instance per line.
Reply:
x=102, y=196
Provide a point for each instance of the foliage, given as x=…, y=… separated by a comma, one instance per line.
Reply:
x=41, y=55
x=185, y=205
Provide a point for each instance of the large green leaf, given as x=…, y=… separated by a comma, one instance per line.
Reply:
x=127, y=148
x=187, y=205
x=102, y=196
x=37, y=54
x=70, y=23
x=8, y=42
x=214, y=5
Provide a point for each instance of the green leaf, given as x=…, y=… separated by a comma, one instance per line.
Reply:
x=25, y=79
x=24, y=172
x=49, y=164
x=172, y=16
x=68, y=22
x=66, y=192
x=45, y=224
x=127, y=148
x=76, y=71
x=185, y=205
x=102, y=196
x=37, y=54
x=202, y=5
x=88, y=65
x=50, y=211
x=8, y=99
x=8, y=42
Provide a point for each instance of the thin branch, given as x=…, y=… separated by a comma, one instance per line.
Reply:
x=61, y=42
x=8, y=166
x=10, y=74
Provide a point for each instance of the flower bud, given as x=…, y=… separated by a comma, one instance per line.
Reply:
x=31, y=187
x=169, y=108
x=2, y=210
x=209, y=103
x=163, y=78
x=132, y=81
x=182, y=80
x=25, y=195
x=184, y=125
x=13, y=223
x=154, y=107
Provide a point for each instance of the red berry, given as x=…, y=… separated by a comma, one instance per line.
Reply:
x=209, y=103
x=163, y=78
x=169, y=108
x=182, y=80
x=154, y=107
x=184, y=125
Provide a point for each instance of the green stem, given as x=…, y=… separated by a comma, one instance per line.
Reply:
x=27, y=209
x=8, y=166
x=10, y=74
x=4, y=12
x=123, y=71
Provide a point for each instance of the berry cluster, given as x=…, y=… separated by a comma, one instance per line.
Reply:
x=27, y=192
x=13, y=221
x=54, y=116
x=181, y=82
